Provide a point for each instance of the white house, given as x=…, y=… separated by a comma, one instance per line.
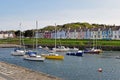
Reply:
x=116, y=33
x=4, y=34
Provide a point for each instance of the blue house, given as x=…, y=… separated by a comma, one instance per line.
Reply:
x=106, y=33
x=61, y=34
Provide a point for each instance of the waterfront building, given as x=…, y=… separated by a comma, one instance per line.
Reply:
x=40, y=35
x=47, y=34
x=52, y=34
x=67, y=33
x=99, y=33
x=71, y=34
x=116, y=33
x=105, y=33
x=81, y=33
x=88, y=34
x=61, y=34
x=78, y=34
x=6, y=34
x=110, y=33
x=94, y=33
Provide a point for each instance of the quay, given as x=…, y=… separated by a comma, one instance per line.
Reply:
x=13, y=72
x=8, y=45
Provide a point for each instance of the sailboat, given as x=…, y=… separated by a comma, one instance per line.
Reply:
x=93, y=50
x=53, y=55
x=32, y=55
x=60, y=48
x=19, y=51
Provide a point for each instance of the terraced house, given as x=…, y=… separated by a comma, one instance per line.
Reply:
x=116, y=33
x=6, y=34
x=100, y=32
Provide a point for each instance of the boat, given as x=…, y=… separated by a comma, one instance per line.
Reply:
x=46, y=48
x=19, y=51
x=61, y=49
x=52, y=54
x=78, y=53
x=33, y=55
x=117, y=57
x=93, y=51
x=40, y=47
x=74, y=49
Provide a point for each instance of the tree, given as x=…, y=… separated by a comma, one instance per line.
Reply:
x=28, y=33
x=17, y=33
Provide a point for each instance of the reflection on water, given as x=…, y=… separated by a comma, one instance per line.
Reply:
x=72, y=67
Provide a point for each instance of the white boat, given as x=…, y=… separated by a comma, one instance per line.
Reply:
x=32, y=55
x=117, y=57
x=74, y=49
x=46, y=48
x=61, y=49
x=40, y=47
x=18, y=52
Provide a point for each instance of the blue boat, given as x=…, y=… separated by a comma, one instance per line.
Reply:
x=78, y=53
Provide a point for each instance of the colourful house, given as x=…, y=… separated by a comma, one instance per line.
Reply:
x=61, y=34
x=116, y=33
x=47, y=34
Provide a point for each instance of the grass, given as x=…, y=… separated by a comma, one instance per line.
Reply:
x=66, y=42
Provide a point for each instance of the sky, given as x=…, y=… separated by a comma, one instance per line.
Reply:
x=51, y=12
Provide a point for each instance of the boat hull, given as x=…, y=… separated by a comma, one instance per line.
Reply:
x=34, y=58
x=18, y=53
x=59, y=57
x=93, y=52
x=75, y=53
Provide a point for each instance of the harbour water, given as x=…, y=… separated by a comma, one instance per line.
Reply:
x=72, y=67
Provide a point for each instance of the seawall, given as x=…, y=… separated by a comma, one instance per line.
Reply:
x=8, y=45
x=13, y=72
x=105, y=48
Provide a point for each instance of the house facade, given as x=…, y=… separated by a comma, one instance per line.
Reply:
x=106, y=33
x=5, y=34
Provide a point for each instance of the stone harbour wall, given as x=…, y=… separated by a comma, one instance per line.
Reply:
x=13, y=72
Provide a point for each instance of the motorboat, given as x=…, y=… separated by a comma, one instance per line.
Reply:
x=53, y=56
x=74, y=49
x=61, y=49
x=78, y=53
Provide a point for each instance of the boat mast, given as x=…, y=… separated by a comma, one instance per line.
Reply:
x=36, y=34
x=20, y=34
x=55, y=37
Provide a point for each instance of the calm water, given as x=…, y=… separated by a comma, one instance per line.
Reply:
x=72, y=67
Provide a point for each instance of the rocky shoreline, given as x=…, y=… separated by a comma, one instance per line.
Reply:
x=105, y=48
x=13, y=72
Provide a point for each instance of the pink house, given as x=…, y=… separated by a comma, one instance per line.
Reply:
x=47, y=34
